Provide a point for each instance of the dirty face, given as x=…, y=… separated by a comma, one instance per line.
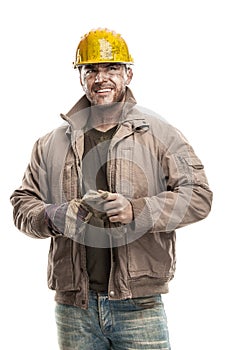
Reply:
x=105, y=83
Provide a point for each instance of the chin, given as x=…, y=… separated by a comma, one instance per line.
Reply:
x=104, y=103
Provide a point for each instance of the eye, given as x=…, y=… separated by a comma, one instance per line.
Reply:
x=89, y=70
x=114, y=67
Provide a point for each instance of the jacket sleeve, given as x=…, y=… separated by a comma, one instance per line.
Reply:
x=30, y=199
x=32, y=211
x=186, y=197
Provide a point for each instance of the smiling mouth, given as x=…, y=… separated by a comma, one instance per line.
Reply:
x=100, y=91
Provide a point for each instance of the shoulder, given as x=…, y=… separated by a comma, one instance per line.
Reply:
x=160, y=130
x=53, y=141
x=53, y=135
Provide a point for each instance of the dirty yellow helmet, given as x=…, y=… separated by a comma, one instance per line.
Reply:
x=102, y=46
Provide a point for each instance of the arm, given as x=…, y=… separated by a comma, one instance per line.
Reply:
x=186, y=197
x=29, y=200
x=32, y=213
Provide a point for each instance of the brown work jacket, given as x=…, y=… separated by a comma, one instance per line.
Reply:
x=152, y=164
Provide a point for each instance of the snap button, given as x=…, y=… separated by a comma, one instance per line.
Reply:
x=111, y=293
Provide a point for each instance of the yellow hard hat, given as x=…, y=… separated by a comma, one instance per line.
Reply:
x=102, y=46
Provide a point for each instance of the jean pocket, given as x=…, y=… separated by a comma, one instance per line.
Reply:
x=147, y=302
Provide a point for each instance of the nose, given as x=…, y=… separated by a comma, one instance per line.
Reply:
x=101, y=76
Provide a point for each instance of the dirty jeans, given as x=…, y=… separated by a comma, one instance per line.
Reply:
x=130, y=324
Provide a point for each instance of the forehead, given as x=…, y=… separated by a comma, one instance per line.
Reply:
x=102, y=65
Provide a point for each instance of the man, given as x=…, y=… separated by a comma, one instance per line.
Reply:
x=110, y=187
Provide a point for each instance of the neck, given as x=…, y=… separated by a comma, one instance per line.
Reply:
x=105, y=117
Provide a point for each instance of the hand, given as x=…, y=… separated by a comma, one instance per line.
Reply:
x=93, y=202
x=117, y=208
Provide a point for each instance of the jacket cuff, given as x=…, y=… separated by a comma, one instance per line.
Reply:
x=66, y=219
x=142, y=221
x=55, y=217
x=137, y=205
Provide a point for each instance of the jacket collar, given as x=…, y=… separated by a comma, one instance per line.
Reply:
x=78, y=115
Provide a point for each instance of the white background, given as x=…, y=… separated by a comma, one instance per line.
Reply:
x=183, y=71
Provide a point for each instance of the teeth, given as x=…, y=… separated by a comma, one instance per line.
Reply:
x=104, y=90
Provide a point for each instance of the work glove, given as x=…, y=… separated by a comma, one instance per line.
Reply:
x=93, y=201
x=68, y=218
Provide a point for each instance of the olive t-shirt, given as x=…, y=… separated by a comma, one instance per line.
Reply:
x=96, y=145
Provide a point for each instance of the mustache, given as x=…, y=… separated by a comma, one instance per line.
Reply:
x=98, y=86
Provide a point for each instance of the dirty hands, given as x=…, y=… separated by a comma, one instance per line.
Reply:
x=113, y=206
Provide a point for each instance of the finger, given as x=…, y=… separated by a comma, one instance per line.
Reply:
x=114, y=218
x=104, y=194
x=112, y=196
x=112, y=205
x=112, y=212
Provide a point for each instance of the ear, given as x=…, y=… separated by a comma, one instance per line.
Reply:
x=129, y=75
x=80, y=79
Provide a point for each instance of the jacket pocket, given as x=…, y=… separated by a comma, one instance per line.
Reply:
x=126, y=172
x=192, y=169
x=194, y=162
x=70, y=181
x=153, y=255
x=131, y=177
x=60, y=264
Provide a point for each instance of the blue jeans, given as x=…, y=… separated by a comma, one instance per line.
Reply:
x=131, y=324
